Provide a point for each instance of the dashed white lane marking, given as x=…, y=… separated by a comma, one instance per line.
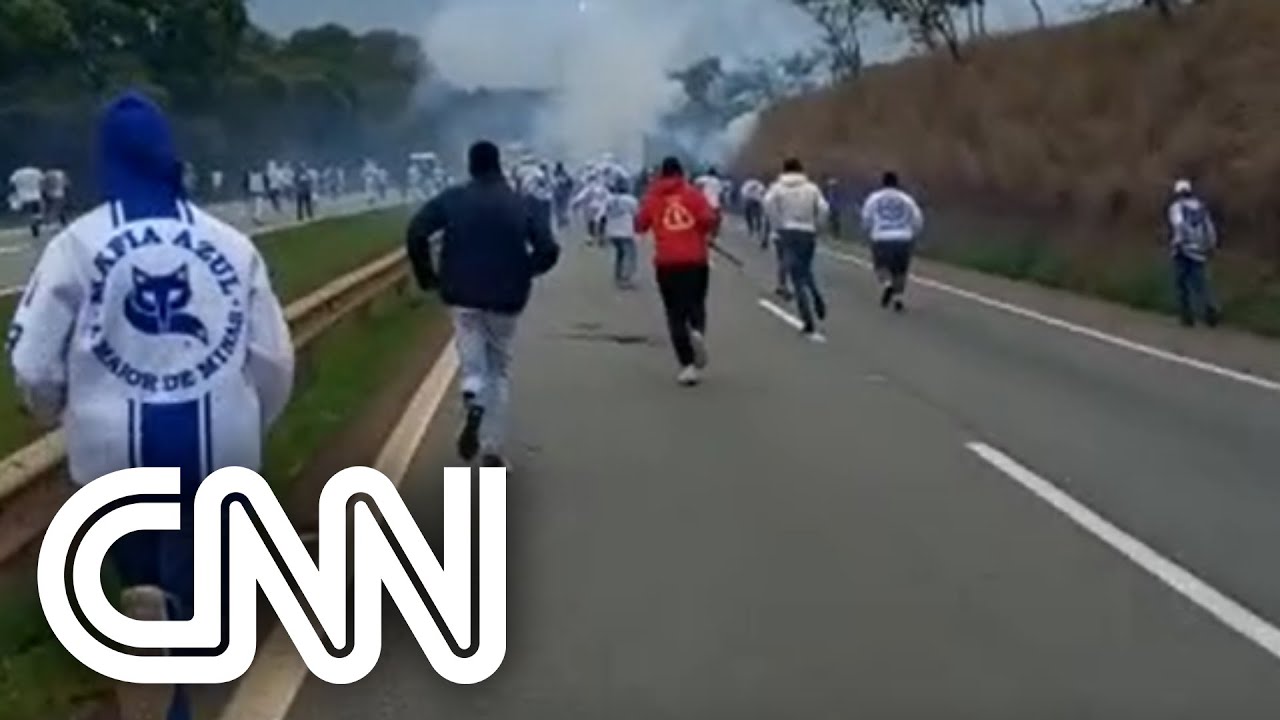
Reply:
x=268, y=689
x=1224, y=609
x=777, y=311
x=1098, y=335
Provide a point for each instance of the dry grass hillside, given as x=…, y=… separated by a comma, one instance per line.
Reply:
x=1072, y=136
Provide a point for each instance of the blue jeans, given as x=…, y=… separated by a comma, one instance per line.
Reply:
x=1195, y=297
x=780, y=252
x=799, y=249
x=624, y=265
x=165, y=560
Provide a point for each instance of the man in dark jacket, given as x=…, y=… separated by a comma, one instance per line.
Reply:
x=495, y=242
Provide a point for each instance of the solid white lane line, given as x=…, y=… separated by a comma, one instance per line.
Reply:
x=1226, y=610
x=1100, y=336
x=777, y=311
x=268, y=689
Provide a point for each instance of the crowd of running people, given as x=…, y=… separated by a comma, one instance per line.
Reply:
x=150, y=350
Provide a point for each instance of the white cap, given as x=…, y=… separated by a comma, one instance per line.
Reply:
x=1182, y=186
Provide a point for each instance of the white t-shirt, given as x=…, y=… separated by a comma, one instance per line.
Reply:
x=257, y=182
x=26, y=185
x=753, y=190
x=620, y=216
x=712, y=188
x=55, y=182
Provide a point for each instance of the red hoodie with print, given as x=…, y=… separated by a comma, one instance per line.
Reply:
x=681, y=220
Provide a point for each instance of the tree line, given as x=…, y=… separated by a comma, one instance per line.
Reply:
x=237, y=94
x=930, y=24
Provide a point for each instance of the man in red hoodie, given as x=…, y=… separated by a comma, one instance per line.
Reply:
x=682, y=222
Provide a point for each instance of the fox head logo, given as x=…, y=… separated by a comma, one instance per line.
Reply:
x=157, y=305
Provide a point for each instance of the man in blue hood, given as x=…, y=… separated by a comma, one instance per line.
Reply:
x=495, y=242
x=149, y=330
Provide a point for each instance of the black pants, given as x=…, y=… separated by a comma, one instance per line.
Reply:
x=893, y=263
x=306, y=206
x=684, y=296
x=755, y=217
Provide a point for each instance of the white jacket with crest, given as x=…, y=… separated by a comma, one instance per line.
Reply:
x=156, y=343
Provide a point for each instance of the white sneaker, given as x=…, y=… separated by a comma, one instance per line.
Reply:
x=689, y=376
x=816, y=337
x=699, y=343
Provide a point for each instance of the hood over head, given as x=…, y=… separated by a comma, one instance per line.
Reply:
x=138, y=163
x=670, y=185
x=793, y=179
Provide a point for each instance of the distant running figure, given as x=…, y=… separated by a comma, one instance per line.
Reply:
x=26, y=196
x=681, y=221
x=55, y=186
x=495, y=242
x=591, y=201
x=753, y=192
x=258, y=187
x=620, y=227
x=713, y=189
x=1194, y=237
x=305, y=194
x=893, y=220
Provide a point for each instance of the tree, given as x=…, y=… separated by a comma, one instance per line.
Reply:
x=236, y=94
x=929, y=22
x=841, y=24
x=1038, y=9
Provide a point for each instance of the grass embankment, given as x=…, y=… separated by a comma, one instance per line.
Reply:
x=345, y=370
x=1064, y=144
x=300, y=259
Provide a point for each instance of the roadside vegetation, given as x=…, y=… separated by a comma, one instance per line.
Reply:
x=1049, y=155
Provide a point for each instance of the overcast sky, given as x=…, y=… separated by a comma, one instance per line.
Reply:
x=735, y=26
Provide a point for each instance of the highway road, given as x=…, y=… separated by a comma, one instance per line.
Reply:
x=1006, y=503
x=19, y=252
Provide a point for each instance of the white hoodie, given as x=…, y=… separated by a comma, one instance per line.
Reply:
x=157, y=343
x=891, y=215
x=795, y=203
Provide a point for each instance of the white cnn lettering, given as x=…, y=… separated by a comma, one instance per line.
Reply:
x=324, y=585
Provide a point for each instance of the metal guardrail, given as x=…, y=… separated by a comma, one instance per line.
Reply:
x=308, y=318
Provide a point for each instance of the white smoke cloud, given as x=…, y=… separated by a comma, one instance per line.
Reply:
x=607, y=61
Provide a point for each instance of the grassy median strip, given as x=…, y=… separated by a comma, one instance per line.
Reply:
x=301, y=260
x=1247, y=286
x=346, y=369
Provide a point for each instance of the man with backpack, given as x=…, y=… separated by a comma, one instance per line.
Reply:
x=1193, y=239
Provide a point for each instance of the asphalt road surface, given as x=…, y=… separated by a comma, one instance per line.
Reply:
x=19, y=252
x=960, y=512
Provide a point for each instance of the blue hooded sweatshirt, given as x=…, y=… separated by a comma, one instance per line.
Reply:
x=138, y=164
